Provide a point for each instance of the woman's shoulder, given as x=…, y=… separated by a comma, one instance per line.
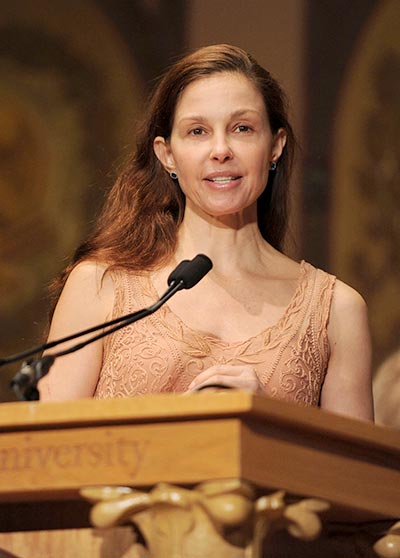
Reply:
x=89, y=284
x=90, y=274
x=88, y=270
x=346, y=298
x=348, y=316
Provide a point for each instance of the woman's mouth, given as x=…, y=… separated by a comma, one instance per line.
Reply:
x=223, y=182
x=223, y=179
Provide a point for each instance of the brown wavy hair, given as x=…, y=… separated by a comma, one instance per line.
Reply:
x=137, y=228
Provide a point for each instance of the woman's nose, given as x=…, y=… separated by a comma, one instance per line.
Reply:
x=220, y=149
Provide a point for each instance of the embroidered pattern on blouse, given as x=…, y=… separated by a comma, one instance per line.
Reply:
x=162, y=354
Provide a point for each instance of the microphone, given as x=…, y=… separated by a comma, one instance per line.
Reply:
x=175, y=275
x=185, y=276
x=25, y=381
x=190, y=271
x=193, y=271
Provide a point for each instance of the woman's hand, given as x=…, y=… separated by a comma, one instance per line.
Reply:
x=232, y=376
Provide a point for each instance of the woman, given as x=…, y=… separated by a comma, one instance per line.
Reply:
x=210, y=175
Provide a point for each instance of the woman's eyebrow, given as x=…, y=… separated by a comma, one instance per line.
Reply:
x=235, y=114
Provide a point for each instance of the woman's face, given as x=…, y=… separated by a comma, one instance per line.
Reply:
x=221, y=144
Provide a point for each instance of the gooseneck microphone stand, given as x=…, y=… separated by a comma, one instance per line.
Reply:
x=24, y=384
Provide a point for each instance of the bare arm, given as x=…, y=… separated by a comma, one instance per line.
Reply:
x=86, y=300
x=347, y=388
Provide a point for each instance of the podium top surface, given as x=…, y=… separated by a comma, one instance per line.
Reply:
x=183, y=407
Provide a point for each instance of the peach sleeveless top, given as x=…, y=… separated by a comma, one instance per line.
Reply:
x=162, y=354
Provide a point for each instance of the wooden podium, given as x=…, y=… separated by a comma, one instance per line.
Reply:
x=50, y=451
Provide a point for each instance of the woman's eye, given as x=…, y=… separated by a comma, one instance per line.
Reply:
x=243, y=128
x=196, y=132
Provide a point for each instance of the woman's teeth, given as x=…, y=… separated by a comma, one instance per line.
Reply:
x=223, y=179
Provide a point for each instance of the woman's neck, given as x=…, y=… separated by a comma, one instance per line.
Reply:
x=232, y=242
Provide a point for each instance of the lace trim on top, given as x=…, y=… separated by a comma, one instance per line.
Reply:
x=162, y=354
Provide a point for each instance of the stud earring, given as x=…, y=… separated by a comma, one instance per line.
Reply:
x=173, y=175
x=272, y=166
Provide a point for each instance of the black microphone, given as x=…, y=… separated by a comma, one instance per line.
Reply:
x=190, y=271
x=24, y=383
x=193, y=271
x=175, y=275
x=185, y=276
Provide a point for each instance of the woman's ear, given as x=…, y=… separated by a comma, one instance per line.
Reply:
x=162, y=149
x=278, y=144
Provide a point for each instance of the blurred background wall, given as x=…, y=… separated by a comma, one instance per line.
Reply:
x=74, y=78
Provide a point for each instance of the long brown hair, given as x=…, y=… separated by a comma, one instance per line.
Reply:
x=137, y=228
